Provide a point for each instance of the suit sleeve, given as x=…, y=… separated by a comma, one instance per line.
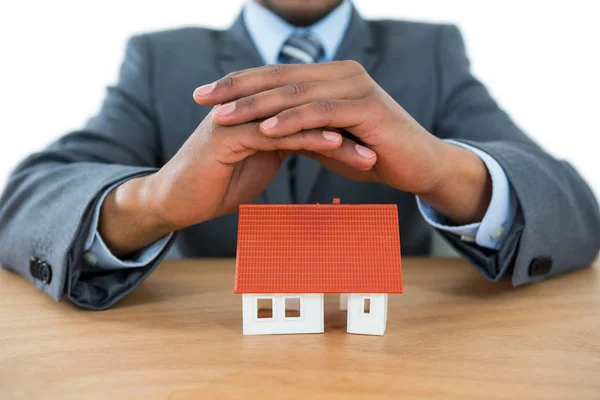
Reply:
x=47, y=206
x=557, y=225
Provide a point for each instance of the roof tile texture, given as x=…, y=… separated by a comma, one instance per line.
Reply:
x=333, y=248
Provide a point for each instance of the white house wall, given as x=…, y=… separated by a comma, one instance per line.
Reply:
x=311, y=318
x=343, y=302
x=373, y=323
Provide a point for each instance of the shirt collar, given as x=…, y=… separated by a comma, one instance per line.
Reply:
x=269, y=32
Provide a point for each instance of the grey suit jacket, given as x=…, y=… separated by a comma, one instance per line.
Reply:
x=149, y=113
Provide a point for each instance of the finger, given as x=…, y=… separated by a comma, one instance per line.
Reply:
x=311, y=140
x=343, y=169
x=354, y=155
x=248, y=82
x=274, y=101
x=319, y=114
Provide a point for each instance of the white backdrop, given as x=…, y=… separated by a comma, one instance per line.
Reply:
x=541, y=60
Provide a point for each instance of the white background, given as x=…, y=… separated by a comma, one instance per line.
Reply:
x=539, y=59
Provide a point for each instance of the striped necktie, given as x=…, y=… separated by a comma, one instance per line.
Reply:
x=299, y=49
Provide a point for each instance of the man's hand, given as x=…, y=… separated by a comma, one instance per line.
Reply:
x=218, y=168
x=398, y=151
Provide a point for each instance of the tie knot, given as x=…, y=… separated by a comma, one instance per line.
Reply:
x=301, y=49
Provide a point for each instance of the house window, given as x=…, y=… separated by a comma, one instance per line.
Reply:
x=292, y=307
x=366, y=306
x=264, y=308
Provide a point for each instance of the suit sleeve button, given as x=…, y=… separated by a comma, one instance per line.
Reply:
x=33, y=263
x=45, y=273
x=540, y=266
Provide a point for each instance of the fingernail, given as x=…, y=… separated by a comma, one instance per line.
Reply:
x=225, y=109
x=332, y=136
x=269, y=123
x=204, y=90
x=365, y=152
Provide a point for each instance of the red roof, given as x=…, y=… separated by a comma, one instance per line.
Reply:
x=330, y=248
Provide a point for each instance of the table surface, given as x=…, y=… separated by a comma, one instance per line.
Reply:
x=451, y=335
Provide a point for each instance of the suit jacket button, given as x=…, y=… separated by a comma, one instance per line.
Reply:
x=33, y=263
x=45, y=273
x=540, y=266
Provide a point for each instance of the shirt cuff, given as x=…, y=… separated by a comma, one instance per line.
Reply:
x=498, y=219
x=98, y=256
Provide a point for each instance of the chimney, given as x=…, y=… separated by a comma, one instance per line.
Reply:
x=336, y=200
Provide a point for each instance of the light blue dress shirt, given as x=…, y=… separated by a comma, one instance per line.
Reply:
x=269, y=32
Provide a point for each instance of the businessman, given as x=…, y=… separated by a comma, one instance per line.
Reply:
x=297, y=102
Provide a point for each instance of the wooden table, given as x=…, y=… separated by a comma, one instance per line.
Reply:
x=452, y=335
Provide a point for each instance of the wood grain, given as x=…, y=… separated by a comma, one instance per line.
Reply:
x=452, y=335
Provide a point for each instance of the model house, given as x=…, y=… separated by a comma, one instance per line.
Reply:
x=289, y=256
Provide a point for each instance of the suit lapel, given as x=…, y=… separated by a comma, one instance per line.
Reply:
x=238, y=53
x=237, y=50
x=358, y=44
